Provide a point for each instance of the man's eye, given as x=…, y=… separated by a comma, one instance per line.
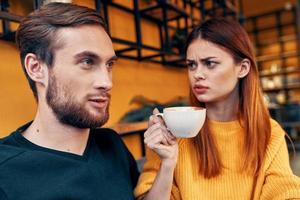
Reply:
x=192, y=65
x=87, y=61
x=110, y=65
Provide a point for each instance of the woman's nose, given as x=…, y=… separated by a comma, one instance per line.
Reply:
x=199, y=75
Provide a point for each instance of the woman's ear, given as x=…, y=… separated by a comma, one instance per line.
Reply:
x=244, y=68
x=35, y=68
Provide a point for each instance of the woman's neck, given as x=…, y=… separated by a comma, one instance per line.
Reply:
x=226, y=109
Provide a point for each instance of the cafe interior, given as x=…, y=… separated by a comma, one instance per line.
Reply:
x=148, y=37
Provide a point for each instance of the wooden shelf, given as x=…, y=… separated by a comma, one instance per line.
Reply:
x=277, y=56
x=287, y=87
x=281, y=72
x=267, y=28
x=286, y=38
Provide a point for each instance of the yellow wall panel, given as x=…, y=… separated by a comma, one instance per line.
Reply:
x=17, y=104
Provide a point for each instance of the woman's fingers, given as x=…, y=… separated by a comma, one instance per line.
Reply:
x=156, y=139
x=151, y=129
x=155, y=119
x=168, y=138
x=156, y=136
x=171, y=138
x=168, y=135
x=155, y=130
x=155, y=111
x=157, y=133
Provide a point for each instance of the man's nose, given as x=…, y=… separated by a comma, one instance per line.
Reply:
x=103, y=79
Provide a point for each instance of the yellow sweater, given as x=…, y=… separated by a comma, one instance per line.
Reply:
x=275, y=180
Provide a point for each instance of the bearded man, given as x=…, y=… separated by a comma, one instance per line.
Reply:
x=67, y=56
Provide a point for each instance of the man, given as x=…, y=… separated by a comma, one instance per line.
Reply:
x=67, y=57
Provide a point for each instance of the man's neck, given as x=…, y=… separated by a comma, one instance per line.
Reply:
x=48, y=132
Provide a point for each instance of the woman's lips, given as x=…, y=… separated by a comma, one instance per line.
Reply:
x=199, y=89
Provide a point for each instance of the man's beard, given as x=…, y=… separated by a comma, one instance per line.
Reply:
x=69, y=112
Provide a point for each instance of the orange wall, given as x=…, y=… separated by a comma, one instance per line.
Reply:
x=17, y=104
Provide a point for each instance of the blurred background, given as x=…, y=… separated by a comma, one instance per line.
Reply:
x=149, y=37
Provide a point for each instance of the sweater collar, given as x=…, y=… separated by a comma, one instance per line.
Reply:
x=224, y=127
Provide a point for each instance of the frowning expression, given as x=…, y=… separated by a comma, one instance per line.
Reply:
x=212, y=72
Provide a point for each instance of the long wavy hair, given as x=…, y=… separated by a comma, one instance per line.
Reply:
x=253, y=114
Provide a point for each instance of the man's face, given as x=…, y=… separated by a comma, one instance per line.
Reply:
x=80, y=80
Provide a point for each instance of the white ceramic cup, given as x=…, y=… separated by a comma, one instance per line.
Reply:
x=184, y=122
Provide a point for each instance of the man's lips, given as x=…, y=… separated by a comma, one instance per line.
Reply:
x=99, y=102
x=200, y=89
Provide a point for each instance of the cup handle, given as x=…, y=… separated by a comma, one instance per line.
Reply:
x=159, y=115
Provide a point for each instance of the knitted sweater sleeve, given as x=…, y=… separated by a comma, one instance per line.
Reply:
x=148, y=176
x=280, y=182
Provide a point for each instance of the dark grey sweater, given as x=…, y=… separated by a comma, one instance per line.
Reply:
x=106, y=170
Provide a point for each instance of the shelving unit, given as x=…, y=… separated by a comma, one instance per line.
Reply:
x=172, y=18
x=276, y=38
x=162, y=15
x=279, y=52
x=225, y=8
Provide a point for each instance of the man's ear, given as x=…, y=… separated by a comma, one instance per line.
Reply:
x=35, y=68
x=244, y=68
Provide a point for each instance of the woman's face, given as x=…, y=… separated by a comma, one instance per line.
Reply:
x=213, y=74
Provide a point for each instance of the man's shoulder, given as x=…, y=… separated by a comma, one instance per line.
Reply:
x=106, y=137
x=109, y=140
x=10, y=138
x=6, y=139
x=8, y=152
x=105, y=133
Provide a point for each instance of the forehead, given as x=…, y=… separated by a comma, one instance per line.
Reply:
x=203, y=48
x=73, y=40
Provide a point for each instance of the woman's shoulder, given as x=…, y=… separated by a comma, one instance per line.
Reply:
x=277, y=143
x=277, y=131
x=277, y=138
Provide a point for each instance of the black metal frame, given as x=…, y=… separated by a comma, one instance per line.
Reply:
x=162, y=24
x=7, y=34
x=218, y=8
x=166, y=54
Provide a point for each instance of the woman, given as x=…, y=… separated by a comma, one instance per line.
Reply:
x=240, y=153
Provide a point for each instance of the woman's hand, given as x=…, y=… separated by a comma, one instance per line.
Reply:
x=160, y=140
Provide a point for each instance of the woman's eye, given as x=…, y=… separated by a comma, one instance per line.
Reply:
x=192, y=65
x=210, y=64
